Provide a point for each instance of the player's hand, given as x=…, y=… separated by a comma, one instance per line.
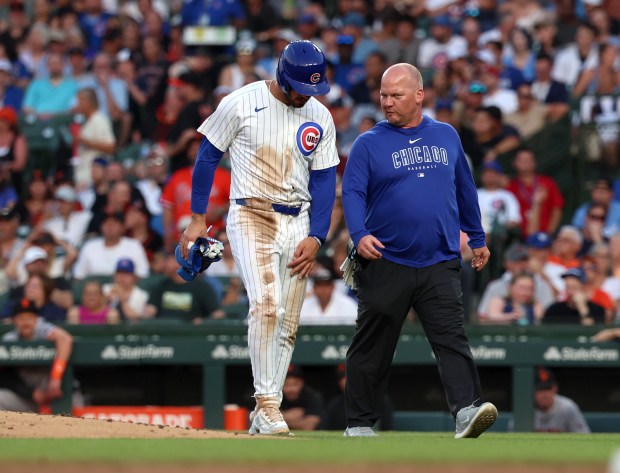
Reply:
x=367, y=247
x=194, y=230
x=53, y=390
x=606, y=335
x=481, y=258
x=39, y=396
x=305, y=254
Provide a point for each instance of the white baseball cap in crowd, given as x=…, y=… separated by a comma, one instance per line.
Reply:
x=6, y=66
x=66, y=193
x=34, y=253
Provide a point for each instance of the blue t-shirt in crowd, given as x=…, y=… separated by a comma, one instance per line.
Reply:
x=412, y=189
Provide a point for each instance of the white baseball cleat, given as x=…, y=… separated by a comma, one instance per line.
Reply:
x=267, y=419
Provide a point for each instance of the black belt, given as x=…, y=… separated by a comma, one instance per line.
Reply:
x=283, y=209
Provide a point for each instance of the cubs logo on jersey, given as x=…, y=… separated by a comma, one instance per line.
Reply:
x=308, y=137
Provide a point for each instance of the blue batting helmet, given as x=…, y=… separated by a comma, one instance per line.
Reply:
x=302, y=67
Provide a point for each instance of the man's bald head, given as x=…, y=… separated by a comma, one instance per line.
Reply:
x=402, y=95
x=410, y=72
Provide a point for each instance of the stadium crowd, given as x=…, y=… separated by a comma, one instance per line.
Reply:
x=100, y=101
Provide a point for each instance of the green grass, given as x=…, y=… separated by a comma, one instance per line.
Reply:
x=325, y=448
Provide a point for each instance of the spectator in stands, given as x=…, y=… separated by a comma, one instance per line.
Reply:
x=594, y=228
x=545, y=40
x=95, y=137
x=38, y=257
x=554, y=412
x=302, y=405
x=32, y=52
x=497, y=95
x=10, y=94
x=36, y=204
x=111, y=91
x=176, y=198
x=600, y=19
x=576, y=308
x=564, y=255
x=68, y=224
x=341, y=110
x=334, y=417
x=94, y=308
x=517, y=260
x=572, y=60
x=120, y=194
x=519, y=307
x=194, y=111
x=519, y=53
x=13, y=146
x=601, y=255
x=26, y=389
x=327, y=306
x=404, y=46
x=552, y=93
x=601, y=194
x=530, y=116
x=347, y=73
x=499, y=206
x=354, y=24
x=539, y=197
x=59, y=259
x=99, y=188
x=602, y=78
x=51, y=95
x=137, y=218
x=38, y=288
x=176, y=299
x=375, y=65
x=124, y=294
x=10, y=243
x=93, y=21
x=491, y=136
x=98, y=256
x=442, y=44
x=593, y=287
x=8, y=194
x=244, y=69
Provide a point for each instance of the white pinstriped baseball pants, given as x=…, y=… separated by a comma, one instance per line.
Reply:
x=263, y=242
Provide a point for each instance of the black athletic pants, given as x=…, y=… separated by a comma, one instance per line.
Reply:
x=386, y=292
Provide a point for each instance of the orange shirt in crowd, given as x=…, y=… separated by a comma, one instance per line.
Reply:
x=177, y=195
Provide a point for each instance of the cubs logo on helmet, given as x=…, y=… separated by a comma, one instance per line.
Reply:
x=308, y=137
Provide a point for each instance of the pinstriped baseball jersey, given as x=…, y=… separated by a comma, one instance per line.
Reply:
x=272, y=146
x=272, y=149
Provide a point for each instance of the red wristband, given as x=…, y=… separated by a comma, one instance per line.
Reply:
x=58, y=369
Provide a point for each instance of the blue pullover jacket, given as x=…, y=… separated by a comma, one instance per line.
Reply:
x=412, y=189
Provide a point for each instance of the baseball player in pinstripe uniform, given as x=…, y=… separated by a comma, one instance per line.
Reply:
x=283, y=156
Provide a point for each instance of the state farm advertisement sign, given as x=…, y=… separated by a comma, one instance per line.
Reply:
x=192, y=417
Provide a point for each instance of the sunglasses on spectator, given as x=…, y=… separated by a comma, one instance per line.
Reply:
x=600, y=218
x=526, y=96
x=478, y=88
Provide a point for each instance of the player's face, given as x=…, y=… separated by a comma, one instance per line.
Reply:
x=297, y=100
x=25, y=324
x=401, y=99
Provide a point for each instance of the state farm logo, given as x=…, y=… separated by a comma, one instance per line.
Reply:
x=127, y=352
x=308, y=137
x=18, y=353
x=483, y=352
x=554, y=353
x=230, y=352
